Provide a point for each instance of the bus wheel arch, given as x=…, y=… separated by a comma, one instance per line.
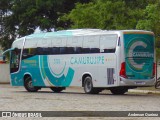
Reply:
x=26, y=76
x=28, y=84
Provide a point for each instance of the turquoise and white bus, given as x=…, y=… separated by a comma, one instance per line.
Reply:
x=90, y=58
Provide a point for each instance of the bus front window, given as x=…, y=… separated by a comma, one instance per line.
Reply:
x=15, y=60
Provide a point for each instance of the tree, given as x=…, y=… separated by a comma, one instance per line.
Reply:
x=97, y=14
x=108, y=14
x=151, y=22
x=117, y=15
x=5, y=7
x=25, y=16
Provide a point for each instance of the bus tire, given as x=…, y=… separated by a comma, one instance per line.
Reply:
x=118, y=91
x=88, y=86
x=157, y=84
x=28, y=85
x=57, y=89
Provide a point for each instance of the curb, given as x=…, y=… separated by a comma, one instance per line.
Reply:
x=145, y=91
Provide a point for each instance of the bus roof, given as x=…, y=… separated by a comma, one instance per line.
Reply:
x=82, y=32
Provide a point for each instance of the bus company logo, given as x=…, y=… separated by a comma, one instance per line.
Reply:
x=6, y=114
x=138, y=51
x=56, y=72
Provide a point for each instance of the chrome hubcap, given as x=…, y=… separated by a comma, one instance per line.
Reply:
x=88, y=86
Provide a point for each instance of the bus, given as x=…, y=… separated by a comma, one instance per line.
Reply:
x=90, y=58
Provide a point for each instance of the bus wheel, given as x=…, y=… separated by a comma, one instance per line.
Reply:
x=57, y=89
x=88, y=86
x=118, y=91
x=157, y=84
x=29, y=86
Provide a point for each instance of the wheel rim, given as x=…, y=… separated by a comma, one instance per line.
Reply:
x=158, y=85
x=30, y=85
x=88, y=86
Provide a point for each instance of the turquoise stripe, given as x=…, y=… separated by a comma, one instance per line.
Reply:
x=56, y=81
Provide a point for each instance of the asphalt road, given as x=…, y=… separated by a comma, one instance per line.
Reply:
x=74, y=99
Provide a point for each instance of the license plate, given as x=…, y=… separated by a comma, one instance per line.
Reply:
x=140, y=83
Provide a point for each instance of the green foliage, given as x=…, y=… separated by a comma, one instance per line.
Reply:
x=151, y=18
x=22, y=17
x=151, y=21
x=117, y=15
x=108, y=14
x=98, y=14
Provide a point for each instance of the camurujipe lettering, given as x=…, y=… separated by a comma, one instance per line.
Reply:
x=87, y=60
x=141, y=54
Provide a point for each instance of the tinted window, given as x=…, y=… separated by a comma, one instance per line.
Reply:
x=39, y=51
x=109, y=50
x=55, y=50
x=86, y=50
x=77, y=50
x=63, y=50
x=29, y=52
x=46, y=51
x=94, y=50
x=70, y=50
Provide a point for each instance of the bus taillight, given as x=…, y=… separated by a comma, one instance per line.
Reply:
x=154, y=69
x=122, y=72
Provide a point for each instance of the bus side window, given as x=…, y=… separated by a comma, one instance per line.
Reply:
x=94, y=50
x=25, y=52
x=86, y=50
x=46, y=51
x=109, y=50
x=77, y=50
x=28, y=52
x=42, y=51
x=39, y=51
x=63, y=50
x=32, y=51
x=70, y=50
x=55, y=50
